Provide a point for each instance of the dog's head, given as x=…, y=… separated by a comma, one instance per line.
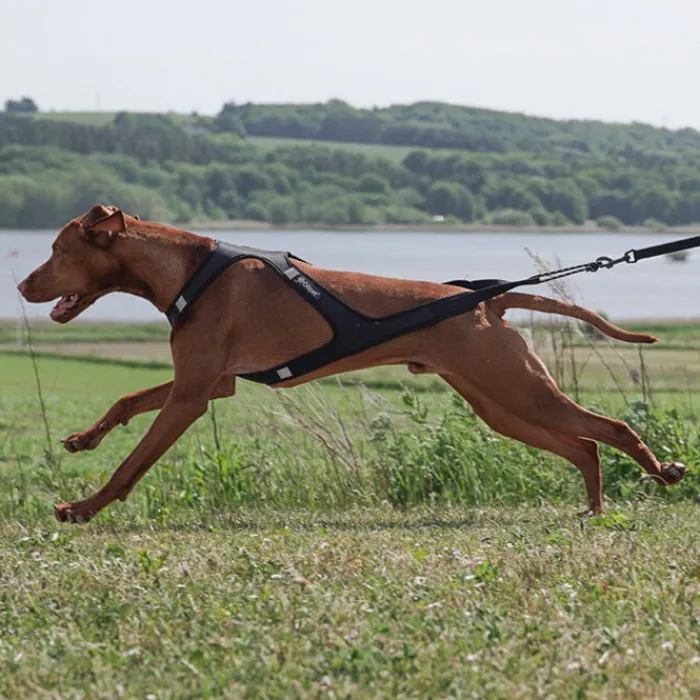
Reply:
x=82, y=266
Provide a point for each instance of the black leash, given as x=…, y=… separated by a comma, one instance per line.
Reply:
x=631, y=256
x=664, y=248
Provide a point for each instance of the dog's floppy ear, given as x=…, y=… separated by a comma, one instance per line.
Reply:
x=101, y=224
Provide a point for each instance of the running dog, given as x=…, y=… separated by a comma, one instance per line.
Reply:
x=251, y=319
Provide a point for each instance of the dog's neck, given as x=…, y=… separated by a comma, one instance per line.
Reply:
x=158, y=260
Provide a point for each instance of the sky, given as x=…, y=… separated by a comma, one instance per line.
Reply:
x=618, y=60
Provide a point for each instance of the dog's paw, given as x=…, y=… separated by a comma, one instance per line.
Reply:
x=74, y=512
x=592, y=512
x=673, y=472
x=87, y=440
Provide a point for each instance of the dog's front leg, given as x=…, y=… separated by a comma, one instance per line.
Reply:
x=135, y=404
x=181, y=410
x=120, y=413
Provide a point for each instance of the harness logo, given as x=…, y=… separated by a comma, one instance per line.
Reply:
x=308, y=287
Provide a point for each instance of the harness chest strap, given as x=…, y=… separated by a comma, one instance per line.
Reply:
x=353, y=332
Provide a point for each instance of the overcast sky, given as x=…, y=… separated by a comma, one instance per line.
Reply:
x=618, y=60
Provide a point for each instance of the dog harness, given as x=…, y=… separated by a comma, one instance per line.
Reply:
x=353, y=332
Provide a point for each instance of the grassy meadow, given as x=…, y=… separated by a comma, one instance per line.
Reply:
x=362, y=536
x=381, y=150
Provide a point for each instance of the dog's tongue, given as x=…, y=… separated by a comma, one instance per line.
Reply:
x=64, y=305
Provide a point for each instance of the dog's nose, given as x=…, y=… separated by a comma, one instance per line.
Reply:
x=22, y=286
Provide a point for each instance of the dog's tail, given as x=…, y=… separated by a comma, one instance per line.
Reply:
x=515, y=300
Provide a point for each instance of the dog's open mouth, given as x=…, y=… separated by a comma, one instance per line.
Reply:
x=69, y=307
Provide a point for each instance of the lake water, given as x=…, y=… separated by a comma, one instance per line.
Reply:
x=652, y=289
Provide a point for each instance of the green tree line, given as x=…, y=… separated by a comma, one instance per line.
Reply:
x=184, y=169
x=441, y=125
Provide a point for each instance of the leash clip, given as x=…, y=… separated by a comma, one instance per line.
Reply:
x=608, y=263
x=603, y=261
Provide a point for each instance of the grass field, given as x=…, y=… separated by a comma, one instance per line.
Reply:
x=601, y=366
x=371, y=538
x=95, y=118
x=394, y=153
x=511, y=603
x=90, y=118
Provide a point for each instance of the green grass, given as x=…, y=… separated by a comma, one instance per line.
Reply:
x=602, y=367
x=671, y=332
x=89, y=118
x=55, y=334
x=356, y=540
x=459, y=602
x=361, y=440
x=95, y=118
x=489, y=603
x=394, y=153
x=356, y=440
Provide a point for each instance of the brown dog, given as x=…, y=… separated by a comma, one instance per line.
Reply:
x=250, y=320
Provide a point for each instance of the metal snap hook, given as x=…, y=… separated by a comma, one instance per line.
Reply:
x=605, y=261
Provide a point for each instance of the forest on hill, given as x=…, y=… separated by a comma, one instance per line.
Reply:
x=461, y=165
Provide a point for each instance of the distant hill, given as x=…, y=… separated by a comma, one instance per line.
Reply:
x=333, y=165
x=440, y=125
x=431, y=125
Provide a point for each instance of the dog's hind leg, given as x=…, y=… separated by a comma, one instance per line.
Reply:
x=541, y=403
x=132, y=405
x=582, y=453
x=514, y=378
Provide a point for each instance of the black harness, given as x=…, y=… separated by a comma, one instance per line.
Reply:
x=354, y=332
